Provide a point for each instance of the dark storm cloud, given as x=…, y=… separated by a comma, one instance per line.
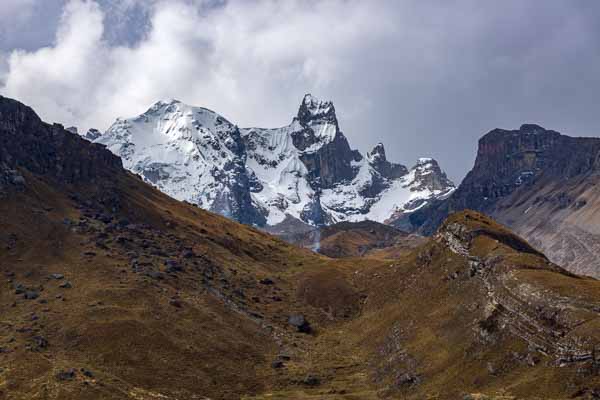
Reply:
x=427, y=78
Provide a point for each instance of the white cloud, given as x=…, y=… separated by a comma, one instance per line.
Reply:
x=427, y=78
x=61, y=80
x=238, y=59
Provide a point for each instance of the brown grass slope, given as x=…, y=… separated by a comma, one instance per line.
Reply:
x=478, y=310
x=167, y=301
x=475, y=313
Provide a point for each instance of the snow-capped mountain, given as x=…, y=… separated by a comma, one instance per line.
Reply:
x=305, y=171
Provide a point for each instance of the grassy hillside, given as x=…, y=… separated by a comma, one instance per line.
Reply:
x=113, y=290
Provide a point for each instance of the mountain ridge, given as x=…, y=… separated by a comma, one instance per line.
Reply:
x=539, y=182
x=306, y=170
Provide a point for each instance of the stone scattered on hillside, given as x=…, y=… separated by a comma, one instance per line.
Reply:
x=300, y=323
x=66, y=375
x=65, y=285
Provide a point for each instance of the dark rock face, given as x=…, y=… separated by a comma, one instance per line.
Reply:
x=380, y=163
x=314, y=213
x=11, y=177
x=508, y=160
x=27, y=142
x=331, y=163
x=312, y=110
x=92, y=134
x=237, y=204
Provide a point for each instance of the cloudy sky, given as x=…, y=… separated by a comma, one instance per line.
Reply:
x=426, y=77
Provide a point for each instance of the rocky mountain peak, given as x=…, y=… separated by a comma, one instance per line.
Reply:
x=426, y=162
x=378, y=161
x=304, y=171
x=15, y=115
x=191, y=153
x=507, y=159
x=163, y=103
x=531, y=129
x=92, y=134
x=429, y=175
x=313, y=110
x=378, y=153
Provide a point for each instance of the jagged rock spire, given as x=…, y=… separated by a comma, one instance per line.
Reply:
x=313, y=109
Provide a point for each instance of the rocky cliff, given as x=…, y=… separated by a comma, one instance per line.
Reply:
x=27, y=142
x=539, y=182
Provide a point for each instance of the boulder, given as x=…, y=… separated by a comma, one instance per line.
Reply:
x=155, y=275
x=31, y=295
x=311, y=380
x=187, y=254
x=87, y=372
x=66, y=375
x=173, y=266
x=176, y=303
x=300, y=323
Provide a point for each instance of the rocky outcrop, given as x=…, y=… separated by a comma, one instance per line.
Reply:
x=499, y=304
x=429, y=175
x=385, y=168
x=549, y=323
x=92, y=134
x=27, y=142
